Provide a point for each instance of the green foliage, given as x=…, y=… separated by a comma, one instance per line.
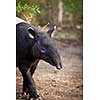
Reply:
x=73, y=6
x=27, y=9
x=20, y=7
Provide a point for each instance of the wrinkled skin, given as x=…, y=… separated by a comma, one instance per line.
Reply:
x=33, y=45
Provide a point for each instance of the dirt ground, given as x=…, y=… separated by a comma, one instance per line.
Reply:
x=64, y=84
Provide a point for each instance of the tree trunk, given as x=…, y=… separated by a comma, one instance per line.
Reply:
x=49, y=11
x=60, y=13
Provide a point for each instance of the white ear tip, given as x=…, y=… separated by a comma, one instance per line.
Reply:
x=48, y=23
x=55, y=27
x=30, y=28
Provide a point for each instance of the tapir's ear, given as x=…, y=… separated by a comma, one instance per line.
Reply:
x=32, y=33
x=50, y=31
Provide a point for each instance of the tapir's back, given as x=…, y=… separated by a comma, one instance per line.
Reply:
x=18, y=20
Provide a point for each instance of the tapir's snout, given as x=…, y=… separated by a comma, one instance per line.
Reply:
x=56, y=60
x=59, y=66
x=53, y=59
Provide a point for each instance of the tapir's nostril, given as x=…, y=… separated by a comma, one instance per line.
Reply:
x=59, y=66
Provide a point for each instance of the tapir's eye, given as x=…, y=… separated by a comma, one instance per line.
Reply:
x=42, y=50
x=31, y=36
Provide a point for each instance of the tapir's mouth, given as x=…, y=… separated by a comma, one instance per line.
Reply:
x=59, y=66
x=55, y=63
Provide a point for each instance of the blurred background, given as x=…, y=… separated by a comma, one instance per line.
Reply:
x=67, y=15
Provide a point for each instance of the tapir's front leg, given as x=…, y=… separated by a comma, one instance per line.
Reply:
x=29, y=82
x=32, y=70
x=25, y=90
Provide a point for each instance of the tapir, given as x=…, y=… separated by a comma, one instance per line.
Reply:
x=33, y=45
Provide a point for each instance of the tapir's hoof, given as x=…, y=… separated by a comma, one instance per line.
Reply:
x=25, y=93
x=39, y=98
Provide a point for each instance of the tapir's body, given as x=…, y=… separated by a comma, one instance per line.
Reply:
x=24, y=45
x=33, y=45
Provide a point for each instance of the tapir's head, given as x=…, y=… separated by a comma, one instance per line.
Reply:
x=44, y=47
